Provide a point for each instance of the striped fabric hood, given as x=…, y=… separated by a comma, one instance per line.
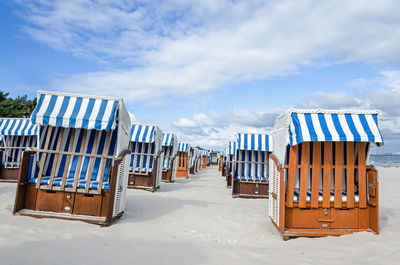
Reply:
x=183, y=147
x=169, y=139
x=79, y=111
x=334, y=125
x=254, y=142
x=144, y=133
x=17, y=127
x=232, y=148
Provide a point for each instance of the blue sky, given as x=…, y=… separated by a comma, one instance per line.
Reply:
x=209, y=69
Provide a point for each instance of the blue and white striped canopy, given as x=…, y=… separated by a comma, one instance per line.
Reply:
x=232, y=148
x=183, y=147
x=254, y=142
x=321, y=126
x=222, y=152
x=168, y=139
x=76, y=111
x=17, y=127
x=142, y=133
x=205, y=153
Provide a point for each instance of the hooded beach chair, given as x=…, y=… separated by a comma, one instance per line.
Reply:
x=196, y=160
x=251, y=166
x=16, y=135
x=146, y=157
x=230, y=158
x=214, y=156
x=192, y=158
x=169, y=166
x=79, y=170
x=320, y=182
x=182, y=170
x=205, y=159
x=221, y=161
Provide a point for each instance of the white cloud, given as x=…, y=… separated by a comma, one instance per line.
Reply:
x=152, y=50
x=184, y=47
x=203, y=119
x=215, y=130
x=330, y=100
x=185, y=123
x=391, y=78
x=133, y=117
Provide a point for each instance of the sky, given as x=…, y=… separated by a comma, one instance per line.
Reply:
x=209, y=69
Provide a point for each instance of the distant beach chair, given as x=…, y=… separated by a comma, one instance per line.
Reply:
x=230, y=158
x=79, y=171
x=221, y=162
x=214, y=158
x=201, y=160
x=16, y=135
x=170, y=146
x=145, y=167
x=320, y=182
x=251, y=166
x=196, y=160
x=205, y=159
x=192, y=160
x=182, y=170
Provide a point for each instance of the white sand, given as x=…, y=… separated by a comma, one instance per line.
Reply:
x=193, y=221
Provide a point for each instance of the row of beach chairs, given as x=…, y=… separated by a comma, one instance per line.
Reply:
x=76, y=156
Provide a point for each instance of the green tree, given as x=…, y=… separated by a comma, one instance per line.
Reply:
x=20, y=107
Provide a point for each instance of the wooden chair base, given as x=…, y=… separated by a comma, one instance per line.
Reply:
x=167, y=176
x=9, y=175
x=318, y=222
x=228, y=181
x=67, y=216
x=257, y=190
x=294, y=233
x=42, y=203
x=182, y=174
x=143, y=182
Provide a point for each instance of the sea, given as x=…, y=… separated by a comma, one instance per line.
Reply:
x=385, y=160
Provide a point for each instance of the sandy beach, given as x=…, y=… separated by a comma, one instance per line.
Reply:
x=193, y=221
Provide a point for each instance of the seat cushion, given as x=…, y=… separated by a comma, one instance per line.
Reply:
x=11, y=164
x=70, y=183
x=296, y=196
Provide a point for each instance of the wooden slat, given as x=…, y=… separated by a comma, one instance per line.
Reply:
x=58, y=147
x=103, y=161
x=362, y=175
x=43, y=158
x=291, y=175
x=91, y=161
x=333, y=166
x=305, y=154
x=350, y=174
x=12, y=147
x=142, y=159
x=327, y=174
x=71, y=153
x=138, y=154
x=12, y=152
x=67, y=161
x=316, y=164
x=338, y=174
x=8, y=150
x=79, y=165
x=135, y=157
